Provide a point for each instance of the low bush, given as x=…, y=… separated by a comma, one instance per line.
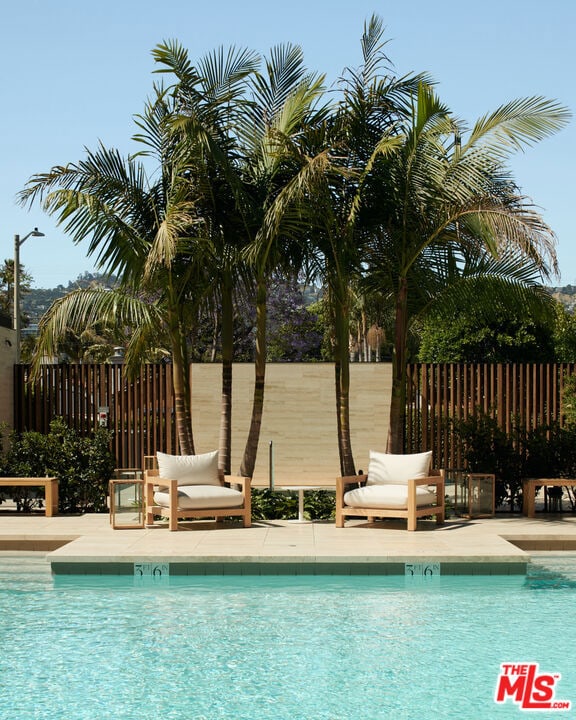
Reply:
x=487, y=448
x=543, y=451
x=83, y=466
x=283, y=505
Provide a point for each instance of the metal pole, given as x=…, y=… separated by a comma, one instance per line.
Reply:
x=16, y=308
x=17, y=243
x=271, y=466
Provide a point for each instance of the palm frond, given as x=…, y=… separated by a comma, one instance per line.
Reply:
x=496, y=285
x=88, y=307
x=224, y=73
x=518, y=124
x=173, y=58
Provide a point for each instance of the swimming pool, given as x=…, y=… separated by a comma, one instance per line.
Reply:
x=315, y=647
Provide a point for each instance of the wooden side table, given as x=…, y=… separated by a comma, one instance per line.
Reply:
x=530, y=485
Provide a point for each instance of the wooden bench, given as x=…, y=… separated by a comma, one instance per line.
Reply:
x=50, y=485
x=529, y=491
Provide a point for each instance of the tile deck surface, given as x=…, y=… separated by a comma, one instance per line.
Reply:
x=501, y=544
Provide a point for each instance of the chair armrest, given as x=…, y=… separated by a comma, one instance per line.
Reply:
x=159, y=482
x=342, y=482
x=245, y=482
x=152, y=481
x=437, y=480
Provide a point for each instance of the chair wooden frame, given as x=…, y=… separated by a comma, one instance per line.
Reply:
x=153, y=481
x=412, y=511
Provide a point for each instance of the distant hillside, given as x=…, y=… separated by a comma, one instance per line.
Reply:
x=36, y=301
x=566, y=295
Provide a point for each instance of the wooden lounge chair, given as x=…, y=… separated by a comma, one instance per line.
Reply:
x=192, y=486
x=396, y=486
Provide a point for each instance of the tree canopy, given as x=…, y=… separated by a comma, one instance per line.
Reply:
x=377, y=191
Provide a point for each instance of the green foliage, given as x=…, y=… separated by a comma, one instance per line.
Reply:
x=569, y=400
x=321, y=310
x=275, y=505
x=467, y=337
x=7, y=293
x=263, y=171
x=550, y=451
x=543, y=451
x=565, y=335
x=488, y=448
x=83, y=465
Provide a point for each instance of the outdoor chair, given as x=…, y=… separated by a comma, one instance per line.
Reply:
x=192, y=486
x=396, y=486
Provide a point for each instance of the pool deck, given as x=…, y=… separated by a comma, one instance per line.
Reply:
x=87, y=544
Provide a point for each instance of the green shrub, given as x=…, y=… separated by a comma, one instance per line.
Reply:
x=283, y=505
x=546, y=451
x=83, y=466
x=487, y=448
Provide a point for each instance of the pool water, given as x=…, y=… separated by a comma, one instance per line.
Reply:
x=310, y=648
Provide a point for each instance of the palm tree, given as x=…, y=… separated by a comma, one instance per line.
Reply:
x=439, y=195
x=283, y=106
x=7, y=289
x=211, y=97
x=240, y=143
x=347, y=152
x=133, y=226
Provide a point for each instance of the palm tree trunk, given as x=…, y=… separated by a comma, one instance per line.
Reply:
x=225, y=444
x=342, y=371
x=181, y=384
x=337, y=372
x=251, y=449
x=396, y=428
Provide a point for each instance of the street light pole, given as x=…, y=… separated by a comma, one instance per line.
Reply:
x=16, y=308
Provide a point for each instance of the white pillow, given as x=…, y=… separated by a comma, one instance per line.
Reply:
x=202, y=497
x=190, y=469
x=388, y=469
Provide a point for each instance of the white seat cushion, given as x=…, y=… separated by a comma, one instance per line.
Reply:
x=190, y=469
x=397, y=469
x=386, y=496
x=202, y=497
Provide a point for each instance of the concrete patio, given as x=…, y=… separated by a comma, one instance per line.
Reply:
x=87, y=544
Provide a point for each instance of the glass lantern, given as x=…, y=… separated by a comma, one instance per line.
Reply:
x=126, y=503
x=474, y=495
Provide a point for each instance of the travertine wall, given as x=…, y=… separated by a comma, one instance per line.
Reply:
x=7, y=360
x=299, y=417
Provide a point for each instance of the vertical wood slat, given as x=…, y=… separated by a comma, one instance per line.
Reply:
x=528, y=395
x=141, y=413
x=424, y=401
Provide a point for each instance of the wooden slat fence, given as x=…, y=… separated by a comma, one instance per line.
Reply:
x=515, y=394
x=140, y=412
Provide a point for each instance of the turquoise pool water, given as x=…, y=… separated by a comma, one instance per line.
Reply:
x=315, y=648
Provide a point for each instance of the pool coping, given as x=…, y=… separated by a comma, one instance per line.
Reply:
x=88, y=545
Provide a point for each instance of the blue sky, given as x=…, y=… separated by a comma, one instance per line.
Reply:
x=75, y=73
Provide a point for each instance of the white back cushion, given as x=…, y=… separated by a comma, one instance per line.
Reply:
x=190, y=469
x=385, y=469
